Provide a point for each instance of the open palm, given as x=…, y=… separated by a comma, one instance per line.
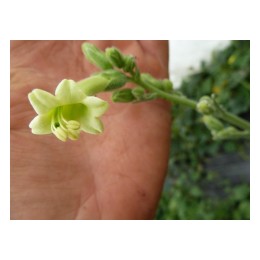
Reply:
x=116, y=175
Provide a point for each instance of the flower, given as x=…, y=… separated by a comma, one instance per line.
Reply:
x=67, y=113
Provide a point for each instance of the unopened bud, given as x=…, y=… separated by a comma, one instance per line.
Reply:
x=115, y=57
x=138, y=92
x=123, y=95
x=148, y=79
x=167, y=85
x=231, y=133
x=150, y=96
x=96, y=56
x=212, y=123
x=130, y=64
x=115, y=78
x=206, y=106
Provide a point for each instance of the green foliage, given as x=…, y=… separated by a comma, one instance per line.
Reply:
x=188, y=189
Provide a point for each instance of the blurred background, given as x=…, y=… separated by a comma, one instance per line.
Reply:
x=186, y=57
x=208, y=179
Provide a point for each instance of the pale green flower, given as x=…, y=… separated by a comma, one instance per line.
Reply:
x=67, y=113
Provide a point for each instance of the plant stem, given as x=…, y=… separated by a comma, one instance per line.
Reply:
x=234, y=120
x=225, y=116
x=170, y=97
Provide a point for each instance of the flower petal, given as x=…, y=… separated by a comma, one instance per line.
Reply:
x=68, y=93
x=96, y=106
x=41, y=125
x=91, y=125
x=42, y=101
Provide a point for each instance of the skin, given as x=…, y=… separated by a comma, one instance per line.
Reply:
x=115, y=175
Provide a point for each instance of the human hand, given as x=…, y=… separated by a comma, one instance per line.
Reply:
x=116, y=175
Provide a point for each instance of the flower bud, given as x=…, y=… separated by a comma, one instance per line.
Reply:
x=212, y=123
x=115, y=78
x=123, y=95
x=138, y=93
x=231, y=133
x=167, y=85
x=130, y=64
x=206, y=106
x=150, y=96
x=115, y=57
x=148, y=79
x=95, y=56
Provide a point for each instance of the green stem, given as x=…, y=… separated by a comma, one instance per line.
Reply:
x=170, y=97
x=234, y=120
x=226, y=116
